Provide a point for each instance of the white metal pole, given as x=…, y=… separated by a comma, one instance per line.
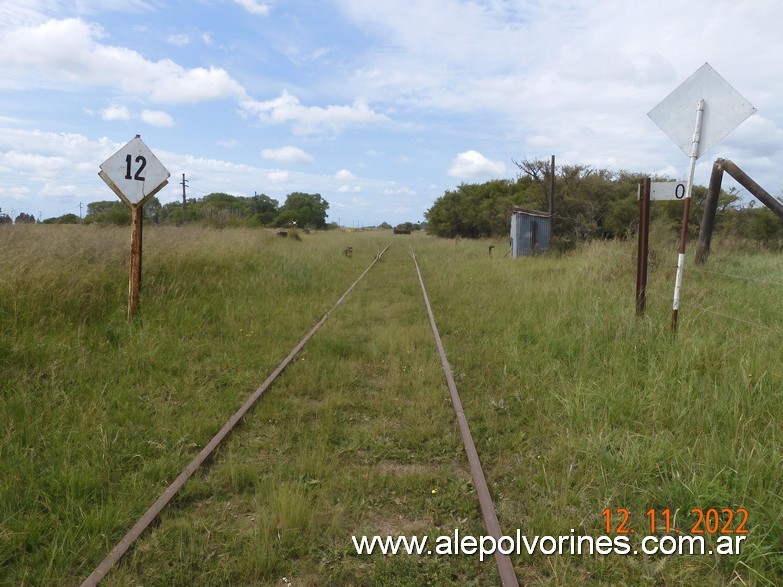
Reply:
x=686, y=213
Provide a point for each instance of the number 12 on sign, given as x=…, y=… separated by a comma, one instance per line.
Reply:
x=142, y=161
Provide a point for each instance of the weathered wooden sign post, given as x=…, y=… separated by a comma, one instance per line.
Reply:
x=648, y=191
x=697, y=115
x=135, y=175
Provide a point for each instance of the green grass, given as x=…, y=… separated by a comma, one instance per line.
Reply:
x=574, y=403
x=578, y=406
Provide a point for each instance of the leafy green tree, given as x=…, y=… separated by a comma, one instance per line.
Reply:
x=264, y=210
x=286, y=218
x=69, y=218
x=220, y=209
x=536, y=171
x=171, y=213
x=24, y=218
x=757, y=224
x=445, y=215
x=475, y=210
x=108, y=212
x=153, y=211
x=588, y=203
x=5, y=218
x=306, y=210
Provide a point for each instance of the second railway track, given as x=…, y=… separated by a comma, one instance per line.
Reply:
x=361, y=436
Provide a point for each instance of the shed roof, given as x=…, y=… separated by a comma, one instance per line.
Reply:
x=518, y=210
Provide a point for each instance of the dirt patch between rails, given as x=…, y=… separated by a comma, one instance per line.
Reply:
x=399, y=525
x=406, y=468
x=410, y=469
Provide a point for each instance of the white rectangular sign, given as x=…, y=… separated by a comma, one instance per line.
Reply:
x=667, y=190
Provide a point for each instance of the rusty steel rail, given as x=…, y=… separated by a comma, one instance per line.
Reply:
x=508, y=577
x=156, y=508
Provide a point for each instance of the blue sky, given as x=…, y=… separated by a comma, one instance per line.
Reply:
x=379, y=106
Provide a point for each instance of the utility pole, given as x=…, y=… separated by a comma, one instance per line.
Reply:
x=80, y=210
x=184, y=201
x=551, y=203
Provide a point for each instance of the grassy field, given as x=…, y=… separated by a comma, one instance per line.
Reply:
x=576, y=406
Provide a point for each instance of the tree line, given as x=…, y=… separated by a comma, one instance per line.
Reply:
x=307, y=211
x=22, y=218
x=588, y=204
x=216, y=209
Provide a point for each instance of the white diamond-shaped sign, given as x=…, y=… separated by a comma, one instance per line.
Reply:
x=134, y=173
x=724, y=110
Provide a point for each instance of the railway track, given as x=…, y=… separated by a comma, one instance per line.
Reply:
x=487, y=509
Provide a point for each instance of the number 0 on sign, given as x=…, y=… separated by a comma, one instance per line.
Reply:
x=134, y=173
x=667, y=190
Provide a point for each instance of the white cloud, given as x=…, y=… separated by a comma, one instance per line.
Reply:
x=68, y=52
x=398, y=192
x=15, y=193
x=299, y=58
x=157, y=118
x=51, y=163
x=63, y=144
x=343, y=189
x=474, y=164
x=152, y=117
x=116, y=113
x=56, y=190
x=344, y=175
x=180, y=40
x=278, y=177
x=439, y=53
x=288, y=154
x=39, y=164
x=310, y=119
x=254, y=7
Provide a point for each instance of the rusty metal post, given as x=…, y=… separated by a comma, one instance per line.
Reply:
x=134, y=285
x=710, y=209
x=644, y=246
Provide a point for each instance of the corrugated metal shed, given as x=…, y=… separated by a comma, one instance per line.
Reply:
x=530, y=232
